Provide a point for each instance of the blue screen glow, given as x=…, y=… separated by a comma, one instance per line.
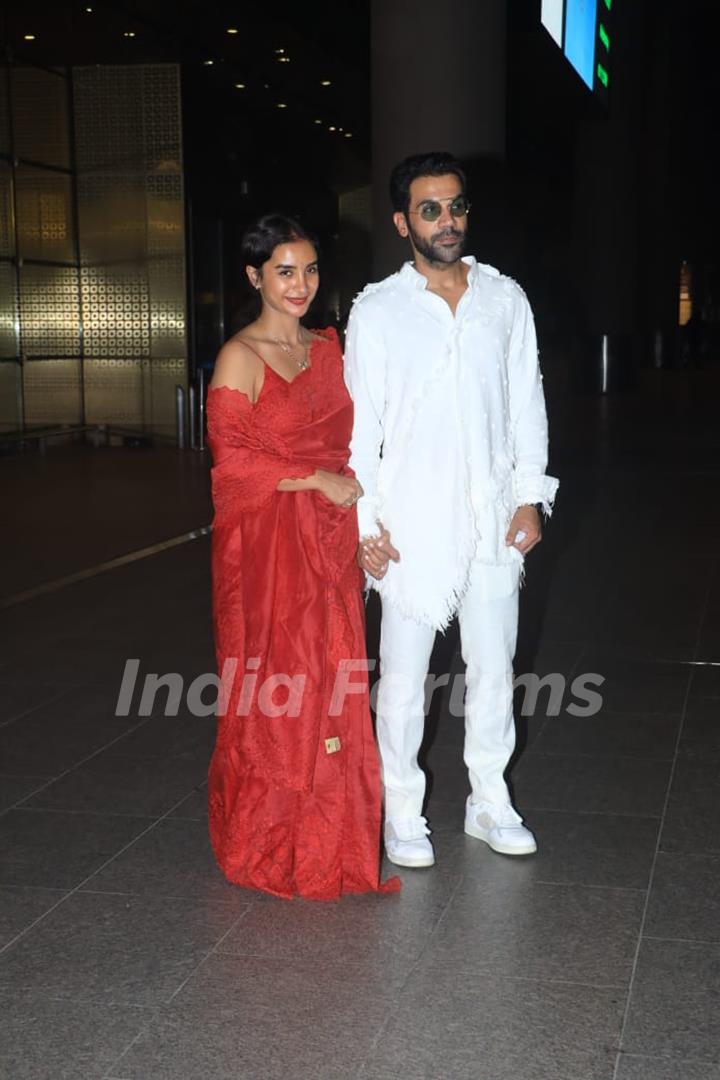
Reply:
x=580, y=37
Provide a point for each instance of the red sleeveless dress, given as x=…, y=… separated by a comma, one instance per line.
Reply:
x=294, y=782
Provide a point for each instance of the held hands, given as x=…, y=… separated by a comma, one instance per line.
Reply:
x=525, y=520
x=375, y=553
x=340, y=490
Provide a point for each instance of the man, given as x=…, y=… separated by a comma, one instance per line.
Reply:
x=450, y=447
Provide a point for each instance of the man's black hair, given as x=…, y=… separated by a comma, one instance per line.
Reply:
x=435, y=163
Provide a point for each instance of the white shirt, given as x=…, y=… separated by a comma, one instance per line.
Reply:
x=450, y=433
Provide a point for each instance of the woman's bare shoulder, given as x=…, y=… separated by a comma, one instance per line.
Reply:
x=237, y=366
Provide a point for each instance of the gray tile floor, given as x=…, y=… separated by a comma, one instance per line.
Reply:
x=124, y=955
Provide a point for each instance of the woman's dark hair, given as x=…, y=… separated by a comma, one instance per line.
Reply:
x=261, y=239
x=436, y=163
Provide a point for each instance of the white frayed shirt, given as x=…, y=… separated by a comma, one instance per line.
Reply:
x=450, y=433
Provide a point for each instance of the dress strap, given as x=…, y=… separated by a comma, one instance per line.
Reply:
x=249, y=346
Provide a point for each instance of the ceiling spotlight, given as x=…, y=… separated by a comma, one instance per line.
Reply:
x=28, y=37
x=208, y=63
x=326, y=82
x=239, y=85
x=348, y=134
x=282, y=105
x=317, y=121
x=283, y=59
x=232, y=30
x=129, y=33
x=332, y=129
x=89, y=10
x=279, y=52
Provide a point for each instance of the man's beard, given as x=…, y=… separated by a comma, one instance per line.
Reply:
x=437, y=253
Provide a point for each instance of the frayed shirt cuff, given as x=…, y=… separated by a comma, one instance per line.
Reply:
x=528, y=490
x=367, y=511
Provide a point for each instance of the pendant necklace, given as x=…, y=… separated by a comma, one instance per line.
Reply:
x=302, y=362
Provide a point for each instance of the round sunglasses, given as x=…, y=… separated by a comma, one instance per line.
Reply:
x=432, y=209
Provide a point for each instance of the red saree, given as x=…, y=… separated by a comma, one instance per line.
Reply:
x=290, y=813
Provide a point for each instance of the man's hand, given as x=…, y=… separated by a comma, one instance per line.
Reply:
x=525, y=520
x=375, y=553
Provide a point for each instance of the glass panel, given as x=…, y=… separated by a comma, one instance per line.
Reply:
x=10, y=396
x=5, y=147
x=44, y=215
x=40, y=116
x=7, y=233
x=167, y=306
x=53, y=392
x=116, y=392
x=165, y=376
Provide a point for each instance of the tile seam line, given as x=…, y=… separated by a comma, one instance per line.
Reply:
x=658, y=846
x=395, y=1008
x=103, y=567
x=78, y=888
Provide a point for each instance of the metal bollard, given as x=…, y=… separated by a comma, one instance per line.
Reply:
x=201, y=409
x=180, y=417
x=191, y=413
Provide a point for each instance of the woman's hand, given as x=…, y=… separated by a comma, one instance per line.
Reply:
x=340, y=490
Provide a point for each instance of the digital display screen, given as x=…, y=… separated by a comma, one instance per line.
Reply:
x=581, y=28
x=580, y=18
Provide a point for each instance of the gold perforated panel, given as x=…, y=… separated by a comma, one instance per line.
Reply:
x=8, y=311
x=40, y=116
x=44, y=215
x=116, y=311
x=49, y=311
x=132, y=242
x=124, y=309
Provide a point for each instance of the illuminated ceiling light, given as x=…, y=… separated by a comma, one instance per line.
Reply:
x=282, y=105
x=326, y=82
x=279, y=52
x=348, y=134
x=89, y=10
x=339, y=129
x=28, y=37
x=239, y=85
x=232, y=30
x=208, y=63
x=332, y=129
x=317, y=121
x=129, y=33
x=283, y=59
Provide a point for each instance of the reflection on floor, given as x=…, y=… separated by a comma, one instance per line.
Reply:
x=127, y=956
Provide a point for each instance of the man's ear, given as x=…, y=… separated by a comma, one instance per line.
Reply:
x=400, y=222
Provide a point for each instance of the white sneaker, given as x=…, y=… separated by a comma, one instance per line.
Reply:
x=500, y=827
x=406, y=842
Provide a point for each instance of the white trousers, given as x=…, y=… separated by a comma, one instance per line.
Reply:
x=488, y=620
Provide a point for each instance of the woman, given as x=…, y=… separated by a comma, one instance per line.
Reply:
x=294, y=786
